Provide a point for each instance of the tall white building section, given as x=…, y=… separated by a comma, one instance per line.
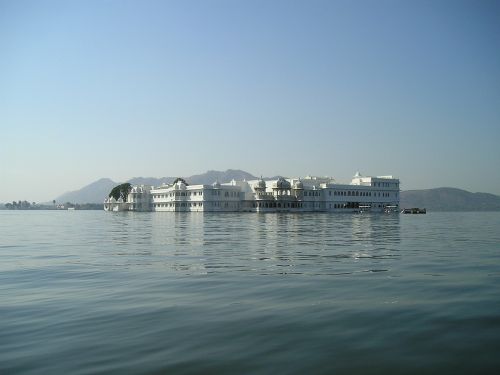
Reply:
x=310, y=194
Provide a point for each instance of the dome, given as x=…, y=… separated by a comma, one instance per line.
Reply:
x=298, y=185
x=216, y=184
x=261, y=184
x=282, y=184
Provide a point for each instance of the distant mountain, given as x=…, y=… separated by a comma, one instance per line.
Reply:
x=206, y=178
x=449, y=199
x=212, y=176
x=92, y=193
x=98, y=190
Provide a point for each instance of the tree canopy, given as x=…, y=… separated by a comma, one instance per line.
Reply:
x=121, y=191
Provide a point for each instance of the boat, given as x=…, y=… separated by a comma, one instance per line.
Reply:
x=391, y=208
x=414, y=210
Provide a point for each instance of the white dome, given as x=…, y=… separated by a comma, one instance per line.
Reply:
x=261, y=184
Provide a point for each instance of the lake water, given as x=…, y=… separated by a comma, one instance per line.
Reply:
x=90, y=292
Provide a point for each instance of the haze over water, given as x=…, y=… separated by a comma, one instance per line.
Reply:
x=150, y=293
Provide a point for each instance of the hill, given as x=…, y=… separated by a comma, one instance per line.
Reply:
x=449, y=199
x=212, y=176
x=199, y=179
x=92, y=193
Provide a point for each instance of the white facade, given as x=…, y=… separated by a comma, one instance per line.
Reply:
x=322, y=194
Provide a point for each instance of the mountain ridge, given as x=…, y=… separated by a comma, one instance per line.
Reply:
x=449, y=199
x=89, y=193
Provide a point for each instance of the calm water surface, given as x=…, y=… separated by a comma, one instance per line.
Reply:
x=90, y=292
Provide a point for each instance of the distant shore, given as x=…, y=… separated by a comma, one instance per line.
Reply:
x=27, y=206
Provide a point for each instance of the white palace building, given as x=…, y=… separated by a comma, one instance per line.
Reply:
x=309, y=194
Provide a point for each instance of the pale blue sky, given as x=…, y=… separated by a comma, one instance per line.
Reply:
x=119, y=89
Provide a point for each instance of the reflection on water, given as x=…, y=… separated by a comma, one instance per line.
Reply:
x=205, y=293
x=277, y=243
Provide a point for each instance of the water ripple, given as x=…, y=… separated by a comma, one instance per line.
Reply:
x=146, y=293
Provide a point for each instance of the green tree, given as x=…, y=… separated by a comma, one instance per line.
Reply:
x=121, y=191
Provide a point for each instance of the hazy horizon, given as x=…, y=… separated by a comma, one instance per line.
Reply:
x=119, y=89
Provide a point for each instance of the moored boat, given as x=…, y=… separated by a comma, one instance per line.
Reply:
x=414, y=210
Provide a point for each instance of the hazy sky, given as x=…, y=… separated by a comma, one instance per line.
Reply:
x=118, y=89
